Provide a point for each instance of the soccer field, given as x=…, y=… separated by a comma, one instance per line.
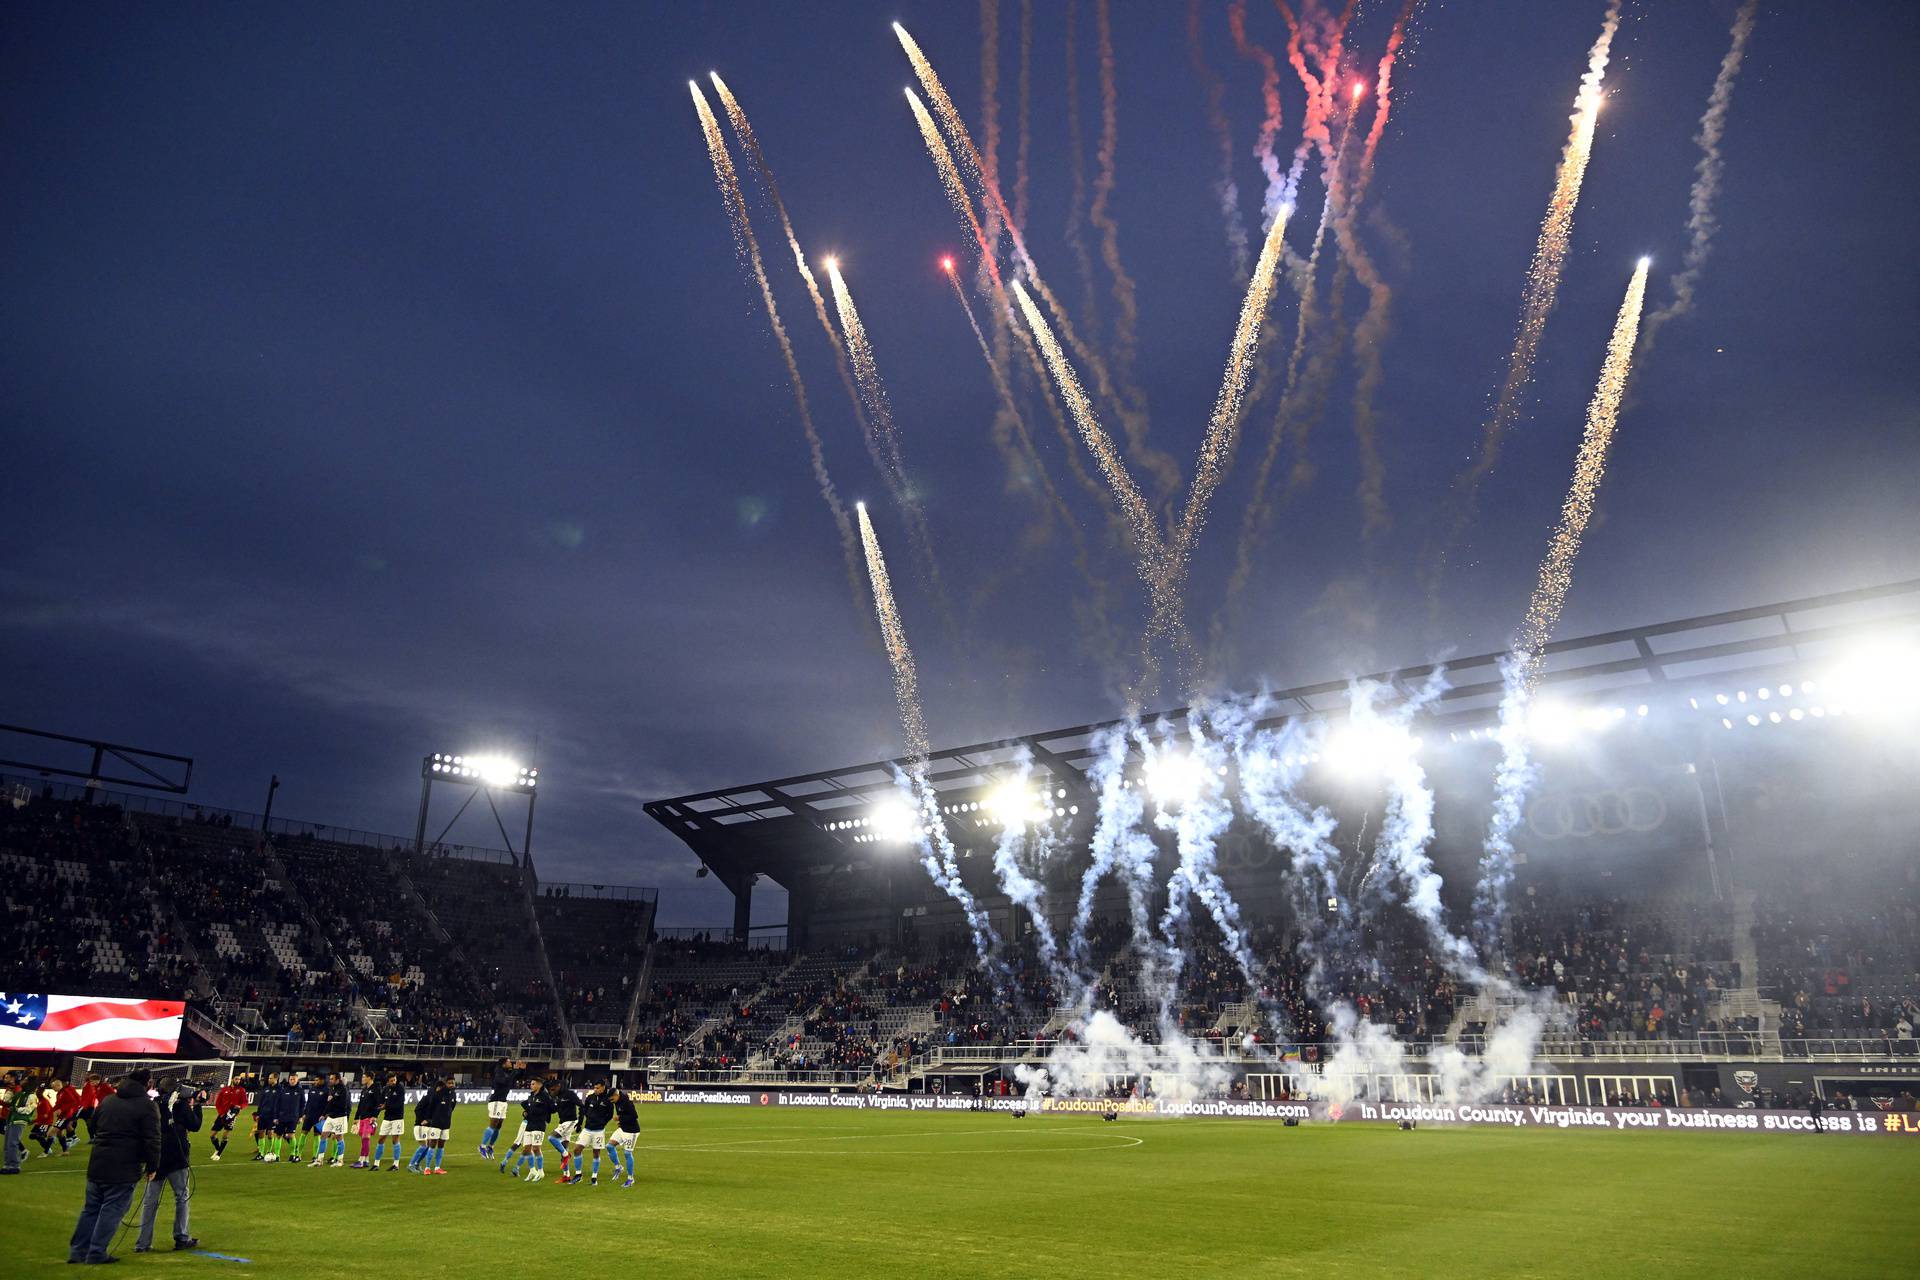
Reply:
x=755, y=1191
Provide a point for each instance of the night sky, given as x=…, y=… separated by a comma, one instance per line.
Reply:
x=378, y=379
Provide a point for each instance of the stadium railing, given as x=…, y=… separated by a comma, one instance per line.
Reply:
x=416, y=1050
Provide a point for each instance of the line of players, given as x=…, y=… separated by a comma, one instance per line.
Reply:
x=291, y=1110
x=578, y=1126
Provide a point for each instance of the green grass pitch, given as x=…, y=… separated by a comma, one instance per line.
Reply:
x=750, y=1191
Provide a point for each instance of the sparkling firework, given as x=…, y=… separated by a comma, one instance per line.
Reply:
x=906, y=680
x=745, y=240
x=873, y=394
x=1549, y=257
x=1168, y=617
x=1556, y=571
x=1701, y=221
x=970, y=165
x=750, y=143
x=1223, y=428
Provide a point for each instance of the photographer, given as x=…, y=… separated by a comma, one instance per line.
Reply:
x=179, y=1120
x=126, y=1147
x=15, y=1098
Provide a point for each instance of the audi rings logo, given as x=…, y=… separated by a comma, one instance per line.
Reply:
x=1583, y=815
x=1240, y=850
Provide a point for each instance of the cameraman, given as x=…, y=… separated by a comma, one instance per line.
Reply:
x=179, y=1120
x=126, y=1146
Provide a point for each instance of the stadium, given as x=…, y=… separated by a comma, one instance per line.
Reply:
x=1483, y=838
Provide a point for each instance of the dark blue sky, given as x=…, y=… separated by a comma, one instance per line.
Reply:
x=378, y=379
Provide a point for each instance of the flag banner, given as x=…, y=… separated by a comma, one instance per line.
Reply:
x=88, y=1024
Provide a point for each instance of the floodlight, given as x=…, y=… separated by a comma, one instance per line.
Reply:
x=1014, y=805
x=1173, y=780
x=1357, y=750
x=894, y=820
x=1881, y=676
x=1552, y=722
x=495, y=772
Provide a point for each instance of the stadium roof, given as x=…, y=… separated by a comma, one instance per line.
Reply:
x=783, y=825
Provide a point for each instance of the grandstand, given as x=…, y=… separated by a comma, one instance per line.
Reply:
x=1724, y=910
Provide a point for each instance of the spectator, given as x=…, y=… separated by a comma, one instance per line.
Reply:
x=126, y=1147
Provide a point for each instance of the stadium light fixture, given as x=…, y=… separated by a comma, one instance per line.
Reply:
x=1880, y=677
x=894, y=821
x=498, y=772
x=1174, y=779
x=1360, y=750
x=1014, y=805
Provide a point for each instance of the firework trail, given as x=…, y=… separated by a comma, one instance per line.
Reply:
x=989, y=156
x=956, y=128
x=1269, y=96
x=963, y=205
x=1702, y=221
x=744, y=239
x=1589, y=467
x=1150, y=551
x=1223, y=432
x=873, y=391
x=1077, y=171
x=1543, y=273
x=1017, y=425
x=1021, y=172
x=954, y=186
x=1140, y=523
x=1382, y=97
x=1126, y=321
x=937, y=853
x=1370, y=335
x=1513, y=777
x=1515, y=773
x=750, y=143
x=1225, y=188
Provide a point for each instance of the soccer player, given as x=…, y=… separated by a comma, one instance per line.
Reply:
x=263, y=1104
x=90, y=1094
x=66, y=1107
x=393, y=1120
x=566, y=1105
x=313, y=1116
x=595, y=1110
x=286, y=1116
x=626, y=1130
x=337, y=1103
x=535, y=1112
x=504, y=1079
x=366, y=1116
x=44, y=1116
x=226, y=1105
x=447, y=1099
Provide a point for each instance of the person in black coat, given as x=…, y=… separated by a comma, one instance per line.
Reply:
x=126, y=1148
x=179, y=1121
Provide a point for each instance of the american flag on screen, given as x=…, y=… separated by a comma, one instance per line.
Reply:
x=74, y=1024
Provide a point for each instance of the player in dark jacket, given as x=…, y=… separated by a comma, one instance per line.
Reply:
x=444, y=1102
x=595, y=1110
x=505, y=1077
x=535, y=1114
x=626, y=1131
x=310, y=1111
x=423, y=1130
x=566, y=1105
x=393, y=1119
x=366, y=1116
x=336, y=1103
